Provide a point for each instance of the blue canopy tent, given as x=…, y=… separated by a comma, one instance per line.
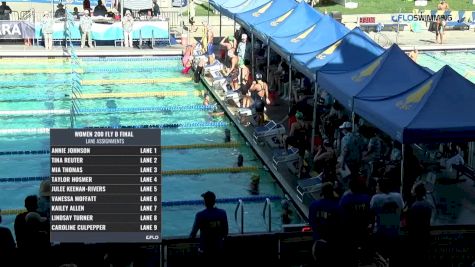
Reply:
x=352, y=51
x=440, y=109
x=269, y=11
x=318, y=36
x=295, y=20
x=388, y=75
x=243, y=7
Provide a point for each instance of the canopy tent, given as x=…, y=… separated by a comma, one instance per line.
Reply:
x=295, y=20
x=225, y=7
x=137, y=4
x=389, y=74
x=269, y=11
x=352, y=51
x=243, y=7
x=325, y=32
x=440, y=109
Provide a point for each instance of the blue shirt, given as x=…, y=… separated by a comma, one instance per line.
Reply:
x=213, y=226
x=324, y=218
x=356, y=214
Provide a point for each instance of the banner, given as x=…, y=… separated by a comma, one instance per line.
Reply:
x=16, y=29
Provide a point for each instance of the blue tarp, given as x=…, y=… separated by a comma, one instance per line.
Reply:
x=269, y=11
x=352, y=51
x=440, y=109
x=245, y=6
x=325, y=32
x=301, y=18
x=390, y=74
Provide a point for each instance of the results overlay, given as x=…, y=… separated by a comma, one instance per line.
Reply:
x=105, y=185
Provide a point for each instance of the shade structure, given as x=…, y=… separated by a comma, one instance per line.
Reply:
x=318, y=36
x=266, y=12
x=439, y=109
x=295, y=20
x=352, y=51
x=389, y=74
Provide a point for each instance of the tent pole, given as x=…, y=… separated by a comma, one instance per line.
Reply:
x=314, y=120
x=209, y=7
x=234, y=28
x=253, y=65
x=220, y=24
x=290, y=81
x=471, y=154
x=121, y=9
x=268, y=63
x=402, y=165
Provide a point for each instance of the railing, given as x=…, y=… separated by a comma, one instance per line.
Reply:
x=239, y=206
x=268, y=220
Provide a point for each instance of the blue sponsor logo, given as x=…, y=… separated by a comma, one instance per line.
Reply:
x=419, y=17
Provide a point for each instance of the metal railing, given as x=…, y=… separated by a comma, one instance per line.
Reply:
x=239, y=206
x=268, y=220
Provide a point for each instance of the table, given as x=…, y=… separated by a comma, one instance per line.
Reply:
x=111, y=32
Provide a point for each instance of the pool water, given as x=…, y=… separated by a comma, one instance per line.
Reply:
x=461, y=62
x=43, y=91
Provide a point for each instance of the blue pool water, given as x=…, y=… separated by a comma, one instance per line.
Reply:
x=20, y=91
x=461, y=62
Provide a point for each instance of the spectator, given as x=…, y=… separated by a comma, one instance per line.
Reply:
x=100, y=9
x=86, y=5
x=44, y=201
x=242, y=48
x=418, y=224
x=412, y=170
x=5, y=11
x=356, y=218
x=443, y=5
x=155, y=9
x=47, y=29
x=128, y=26
x=324, y=214
x=60, y=12
x=7, y=244
x=21, y=231
x=298, y=138
x=350, y=149
x=76, y=14
x=387, y=207
x=212, y=223
x=325, y=160
x=85, y=25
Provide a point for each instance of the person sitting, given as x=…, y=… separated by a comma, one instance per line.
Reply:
x=443, y=5
x=7, y=244
x=60, y=12
x=413, y=54
x=5, y=11
x=100, y=9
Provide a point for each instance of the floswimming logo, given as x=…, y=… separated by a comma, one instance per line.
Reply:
x=303, y=35
x=262, y=10
x=368, y=71
x=415, y=97
x=330, y=50
x=281, y=19
x=420, y=17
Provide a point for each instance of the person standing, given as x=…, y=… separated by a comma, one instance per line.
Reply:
x=128, y=25
x=7, y=243
x=86, y=25
x=155, y=9
x=242, y=48
x=47, y=29
x=86, y=5
x=439, y=30
x=5, y=11
x=418, y=224
x=212, y=223
x=60, y=12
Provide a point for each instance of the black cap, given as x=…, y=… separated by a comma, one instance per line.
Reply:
x=209, y=196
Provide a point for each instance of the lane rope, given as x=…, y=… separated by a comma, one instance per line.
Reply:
x=160, y=126
x=135, y=81
x=104, y=110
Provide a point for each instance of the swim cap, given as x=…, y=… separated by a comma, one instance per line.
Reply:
x=299, y=115
x=258, y=76
x=231, y=37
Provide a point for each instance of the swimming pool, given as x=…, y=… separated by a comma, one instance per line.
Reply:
x=33, y=90
x=462, y=62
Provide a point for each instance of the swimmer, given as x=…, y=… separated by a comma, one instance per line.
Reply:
x=240, y=160
x=254, y=185
x=414, y=53
x=286, y=212
x=206, y=100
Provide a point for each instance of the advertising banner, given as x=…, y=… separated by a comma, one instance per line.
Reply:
x=16, y=29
